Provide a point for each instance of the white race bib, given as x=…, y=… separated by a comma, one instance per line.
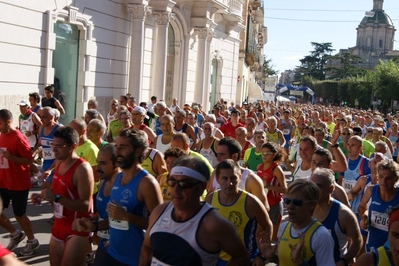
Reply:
x=58, y=210
x=348, y=184
x=103, y=233
x=118, y=224
x=3, y=161
x=380, y=220
x=286, y=131
x=48, y=154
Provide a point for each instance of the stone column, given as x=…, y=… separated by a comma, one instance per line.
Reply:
x=207, y=67
x=162, y=22
x=200, y=72
x=137, y=18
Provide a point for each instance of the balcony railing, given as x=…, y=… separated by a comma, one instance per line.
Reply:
x=235, y=7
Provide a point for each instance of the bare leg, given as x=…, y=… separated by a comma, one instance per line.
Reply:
x=26, y=226
x=56, y=250
x=6, y=224
x=75, y=251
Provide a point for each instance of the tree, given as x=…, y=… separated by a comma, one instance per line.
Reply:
x=314, y=64
x=386, y=81
x=268, y=67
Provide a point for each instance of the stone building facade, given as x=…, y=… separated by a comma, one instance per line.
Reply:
x=194, y=51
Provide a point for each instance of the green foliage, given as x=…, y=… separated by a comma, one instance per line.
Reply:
x=314, y=64
x=268, y=67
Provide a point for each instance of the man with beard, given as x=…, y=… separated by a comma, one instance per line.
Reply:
x=107, y=172
x=134, y=195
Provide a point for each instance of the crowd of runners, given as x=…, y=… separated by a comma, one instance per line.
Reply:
x=152, y=184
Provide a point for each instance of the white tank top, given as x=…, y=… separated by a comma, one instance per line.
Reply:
x=183, y=237
x=160, y=146
x=209, y=154
x=28, y=125
x=111, y=117
x=299, y=173
x=260, y=126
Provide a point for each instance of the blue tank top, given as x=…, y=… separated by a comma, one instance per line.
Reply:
x=158, y=130
x=356, y=168
x=378, y=219
x=126, y=239
x=47, y=151
x=330, y=223
x=101, y=204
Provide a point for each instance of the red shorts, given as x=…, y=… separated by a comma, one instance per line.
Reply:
x=63, y=231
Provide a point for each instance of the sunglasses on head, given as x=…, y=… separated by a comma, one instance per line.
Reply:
x=183, y=184
x=267, y=153
x=296, y=202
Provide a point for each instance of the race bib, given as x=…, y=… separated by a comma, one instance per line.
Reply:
x=380, y=220
x=103, y=233
x=58, y=210
x=156, y=262
x=118, y=224
x=3, y=161
x=286, y=131
x=24, y=128
x=48, y=154
x=348, y=184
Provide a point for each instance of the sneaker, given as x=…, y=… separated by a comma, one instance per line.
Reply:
x=89, y=259
x=14, y=241
x=30, y=247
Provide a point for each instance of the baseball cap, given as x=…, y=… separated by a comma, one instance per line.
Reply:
x=24, y=103
x=140, y=110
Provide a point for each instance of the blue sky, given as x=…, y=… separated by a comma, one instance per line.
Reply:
x=289, y=35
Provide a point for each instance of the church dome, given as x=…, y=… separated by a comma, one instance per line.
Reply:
x=380, y=17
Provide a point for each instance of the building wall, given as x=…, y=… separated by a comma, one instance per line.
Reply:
x=104, y=54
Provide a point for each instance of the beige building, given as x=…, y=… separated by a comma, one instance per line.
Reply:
x=375, y=39
x=195, y=51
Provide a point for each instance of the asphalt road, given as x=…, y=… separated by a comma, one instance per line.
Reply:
x=38, y=216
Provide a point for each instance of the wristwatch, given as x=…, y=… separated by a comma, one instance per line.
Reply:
x=336, y=145
x=57, y=198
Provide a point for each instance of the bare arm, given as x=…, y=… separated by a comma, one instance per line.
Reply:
x=151, y=134
x=340, y=164
x=159, y=164
x=349, y=224
x=254, y=185
x=358, y=187
x=281, y=138
x=278, y=173
x=59, y=107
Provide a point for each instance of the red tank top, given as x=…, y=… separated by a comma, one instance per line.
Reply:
x=63, y=185
x=244, y=149
x=273, y=197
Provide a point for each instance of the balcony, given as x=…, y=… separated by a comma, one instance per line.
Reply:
x=235, y=7
x=233, y=12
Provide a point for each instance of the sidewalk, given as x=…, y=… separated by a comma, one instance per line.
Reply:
x=38, y=216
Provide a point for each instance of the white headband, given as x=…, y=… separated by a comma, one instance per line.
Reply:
x=181, y=170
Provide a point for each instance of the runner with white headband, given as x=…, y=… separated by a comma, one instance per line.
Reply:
x=186, y=229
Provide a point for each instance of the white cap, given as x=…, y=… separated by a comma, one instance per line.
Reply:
x=24, y=103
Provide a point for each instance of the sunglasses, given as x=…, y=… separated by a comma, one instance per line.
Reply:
x=267, y=153
x=296, y=202
x=183, y=184
x=344, y=134
x=369, y=131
